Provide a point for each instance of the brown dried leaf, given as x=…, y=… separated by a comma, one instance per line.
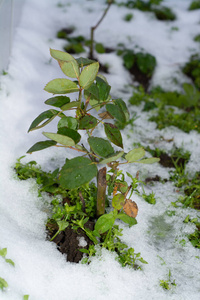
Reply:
x=130, y=208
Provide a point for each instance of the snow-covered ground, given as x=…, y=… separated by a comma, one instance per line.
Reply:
x=40, y=270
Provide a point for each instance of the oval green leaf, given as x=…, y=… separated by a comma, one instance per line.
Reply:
x=41, y=145
x=150, y=160
x=88, y=75
x=116, y=112
x=135, y=154
x=48, y=114
x=61, y=86
x=104, y=223
x=69, y=122
x=111, y=158
x=71, y=68
x=113, y=134
x=73, y=134
x=124, y=108
x=57, y=101
x=100, y=146
x=126, y=219
x=87, y=122
x=59, y=138
x=82, y=61
x=70, y=105
x=76, y=172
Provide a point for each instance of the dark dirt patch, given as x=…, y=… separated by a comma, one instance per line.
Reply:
x=68, y=241
x=140, y=77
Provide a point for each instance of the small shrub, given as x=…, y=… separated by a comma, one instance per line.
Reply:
x=194, y=5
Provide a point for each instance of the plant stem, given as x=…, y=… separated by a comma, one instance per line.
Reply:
x=95, y=27
x=101, y=191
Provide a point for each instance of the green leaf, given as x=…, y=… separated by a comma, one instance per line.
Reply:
x=69, y=122
x=113, y=134
x=123, y=107
x=82, y=62
x=88, y=75
x=3, y=252
x=57, y=101
x=76, y=172
x=73, y=134
x=104, y=223
x=135, y=154
x=116, y=112
x=93, y=91
x=26, y=297
x=103, y=87
x=10, y=261
x=87, y=122
x=3, y=284
x=100, y=146
x=61, y=139
x=61, y=55
x=48, y=114
x=70, y=69
x=70, y=105
x=150, y=160
x=126, y=219
x=61, y=86
x=111, y=158
x=118, y=201
x=99, y=47
x=62, y=224
x=41, y=145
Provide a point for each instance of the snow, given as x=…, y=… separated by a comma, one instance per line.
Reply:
x=40, y=270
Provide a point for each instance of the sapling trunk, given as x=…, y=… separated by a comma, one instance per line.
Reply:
x=95, y=27
x=101, y=191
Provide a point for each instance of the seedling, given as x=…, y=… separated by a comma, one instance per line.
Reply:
x=168, y=284
x=3, y=282
x=93, y=95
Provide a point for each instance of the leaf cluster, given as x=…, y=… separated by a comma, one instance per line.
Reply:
x=194, y=5
x=145, y=62
x=163, y=105
x=162, y=13
x=192, y=69
x=3, y=253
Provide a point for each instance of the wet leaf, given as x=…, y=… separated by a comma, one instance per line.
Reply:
x=150, y=160
x=127, y=219
x=70, y=105
x=104, y=223
x=130, y=208
x=61, y=86
x=69, y=122
x=135, y=154
x=116, y=112
x=70, y=69
x=124, y=108
x=41, y=145
x=111, y=158
x=61, y=139
x=82, y=61
x=113, y=134
x=87, y=122
x=57, y=101
x=88, y=75
x=100, y=146
x=48, y=114
x=76, y=172
x=73, y=134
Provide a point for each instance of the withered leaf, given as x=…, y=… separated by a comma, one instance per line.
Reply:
x=130, y=208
